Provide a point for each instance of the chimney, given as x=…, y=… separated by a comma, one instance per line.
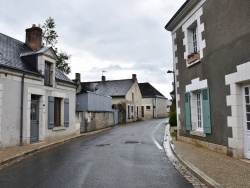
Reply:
x=103, y=78
x=34, y=37
x=78, y=77
x=134, y=77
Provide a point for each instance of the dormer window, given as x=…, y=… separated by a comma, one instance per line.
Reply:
x=47, y=74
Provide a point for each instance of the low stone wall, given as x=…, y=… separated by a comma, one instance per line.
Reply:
x=214, y=147
x=99, y=120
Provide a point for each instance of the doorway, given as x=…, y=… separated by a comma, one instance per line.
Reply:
x=34, y=118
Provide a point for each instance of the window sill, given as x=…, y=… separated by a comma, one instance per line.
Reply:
x=198, y=133
x=193, y=63
x=59, y=128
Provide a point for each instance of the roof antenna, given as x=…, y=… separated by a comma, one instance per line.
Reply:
x=103, y=72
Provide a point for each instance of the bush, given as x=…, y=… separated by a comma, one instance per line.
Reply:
x=173, y=119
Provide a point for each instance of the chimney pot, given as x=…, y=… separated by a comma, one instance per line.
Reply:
x=34, y=37
x=103, y=78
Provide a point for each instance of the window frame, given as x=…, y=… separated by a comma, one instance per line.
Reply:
x=47, y=74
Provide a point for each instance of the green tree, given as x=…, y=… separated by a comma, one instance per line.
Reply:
x=50, y=39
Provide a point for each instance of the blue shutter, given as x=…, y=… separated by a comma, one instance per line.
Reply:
x=51, y=112
x=206, y=111
x=188, y=112
x=66, y=112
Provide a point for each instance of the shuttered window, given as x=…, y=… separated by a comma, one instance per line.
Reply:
x=188, y=112
x=54, y=112
x=206, y=110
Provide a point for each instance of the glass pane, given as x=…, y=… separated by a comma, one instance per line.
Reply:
x=247, y=99
x=248, y=117
x=246, y=91
x=248, y=108
x=248, y=125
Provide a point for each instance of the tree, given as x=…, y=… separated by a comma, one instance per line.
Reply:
x=50, y=39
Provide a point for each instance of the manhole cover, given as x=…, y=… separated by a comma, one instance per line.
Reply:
x=132, y=142
x=103, y=145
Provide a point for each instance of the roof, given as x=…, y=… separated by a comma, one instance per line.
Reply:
x=183, y=11
x=12, y=53
x=113, y=88
x=10, y=50
x=148, y=91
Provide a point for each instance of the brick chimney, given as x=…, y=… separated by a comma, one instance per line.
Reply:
x=34, y=37
x=103, y=78
x=134, y=77
x=78, y=77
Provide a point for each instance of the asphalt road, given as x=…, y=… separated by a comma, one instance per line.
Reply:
x=126, y=156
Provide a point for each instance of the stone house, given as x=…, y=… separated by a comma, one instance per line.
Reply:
x=125, y=93
x=37, y=101
x=211, y=42
x=154, y=104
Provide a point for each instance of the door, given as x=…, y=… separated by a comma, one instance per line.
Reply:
x=142, y=111
x=247, y=122
x=34, y=121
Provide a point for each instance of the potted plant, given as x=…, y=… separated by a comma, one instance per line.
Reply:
x=193, y=56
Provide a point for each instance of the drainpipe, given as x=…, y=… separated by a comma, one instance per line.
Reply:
x=21, y=116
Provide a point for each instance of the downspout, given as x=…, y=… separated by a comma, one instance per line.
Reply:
x=21, y=116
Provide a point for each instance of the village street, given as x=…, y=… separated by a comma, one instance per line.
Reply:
x=128, y=155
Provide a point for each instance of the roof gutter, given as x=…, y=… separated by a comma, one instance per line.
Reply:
x=22, y=71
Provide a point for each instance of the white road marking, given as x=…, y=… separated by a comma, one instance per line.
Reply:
x=153, y=137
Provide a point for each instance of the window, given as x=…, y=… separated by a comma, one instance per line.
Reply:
x=195, y=47
x=47, y=74
x=247, y=103
x=197, y=111
x=148, y=107
x=57, y=112
x=128, y=112
x=192, y=46
x=57, y=106
x=133, y=96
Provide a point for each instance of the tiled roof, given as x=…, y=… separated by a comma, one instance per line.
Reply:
x=11, y=51
x=148, y=91
x=61, y=76
x=113, y=88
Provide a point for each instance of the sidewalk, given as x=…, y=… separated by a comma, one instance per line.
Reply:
x=13, y=154
x=206, y=164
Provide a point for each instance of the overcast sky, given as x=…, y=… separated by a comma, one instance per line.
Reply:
x=121, y=37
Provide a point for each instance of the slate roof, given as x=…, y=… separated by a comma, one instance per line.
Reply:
x=11, y=51
x=113, y=88
x=148, y=91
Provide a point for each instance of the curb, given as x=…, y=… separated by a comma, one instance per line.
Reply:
x=30, y=152
x=196, y=172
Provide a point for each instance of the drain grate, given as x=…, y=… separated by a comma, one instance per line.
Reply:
x=103, y=145
x=132, y=142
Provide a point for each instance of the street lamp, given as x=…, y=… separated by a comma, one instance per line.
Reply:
x=173, y=92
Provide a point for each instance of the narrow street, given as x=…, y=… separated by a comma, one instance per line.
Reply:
x=126, y=156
